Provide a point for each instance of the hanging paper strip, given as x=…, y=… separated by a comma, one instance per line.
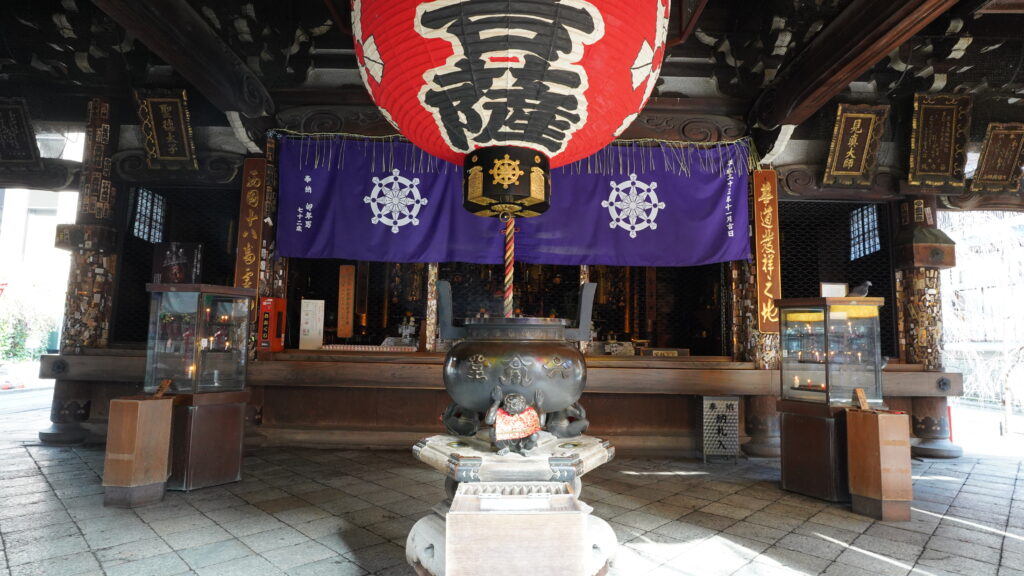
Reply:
x=766, y=249
x=641, y=204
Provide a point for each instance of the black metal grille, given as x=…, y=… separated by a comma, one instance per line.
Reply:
x=207, y=217
x=816, y=247
x=148, y=222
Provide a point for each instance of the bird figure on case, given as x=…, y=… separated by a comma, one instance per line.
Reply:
x=860, y=290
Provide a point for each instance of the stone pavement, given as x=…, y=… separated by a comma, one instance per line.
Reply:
x=309, y=512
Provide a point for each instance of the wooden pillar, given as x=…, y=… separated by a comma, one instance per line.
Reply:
x=273, y=270
x=430, y=322
x=92, y=277
x=922, y=250
x=584, y=278
x=760, y=418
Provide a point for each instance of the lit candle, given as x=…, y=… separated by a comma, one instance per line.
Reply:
x=858, y=357
x=191, y=371
x=796, y=381
x=227, y=344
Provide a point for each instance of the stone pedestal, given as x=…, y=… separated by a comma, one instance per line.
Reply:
x=930, y=423
x=487, y=489
x=69, y=407
x=762, y=423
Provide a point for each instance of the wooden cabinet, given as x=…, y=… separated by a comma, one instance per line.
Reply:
x=813, y=438
x=878, y=448
x=135, y=467
x=207, y=442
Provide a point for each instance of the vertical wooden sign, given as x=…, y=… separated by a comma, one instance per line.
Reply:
x=250, y=223
x=853, y=154
x=938, y=140
x=766, y=249
x=167, y=126
x=346, y=300
x=17, y=137
x=1002, y=155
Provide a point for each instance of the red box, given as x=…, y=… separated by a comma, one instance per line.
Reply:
x=272, y=315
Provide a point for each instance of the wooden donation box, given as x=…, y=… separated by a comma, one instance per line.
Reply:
x=199, y=339
x=829, y=347
x=136, y=465
x=878, y=450
x=516, y=528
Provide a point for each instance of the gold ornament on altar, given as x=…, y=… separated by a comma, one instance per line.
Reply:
x=506, y=172
x=506, y=192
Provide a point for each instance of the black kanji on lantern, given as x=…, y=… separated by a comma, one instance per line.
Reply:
x=514, y=76
x=506, y=180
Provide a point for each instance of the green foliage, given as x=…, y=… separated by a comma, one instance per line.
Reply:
x=23, y=329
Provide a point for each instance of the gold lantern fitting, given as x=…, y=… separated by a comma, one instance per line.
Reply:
x=506, y=180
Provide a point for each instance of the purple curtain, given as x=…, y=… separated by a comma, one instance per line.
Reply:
x=649, y=204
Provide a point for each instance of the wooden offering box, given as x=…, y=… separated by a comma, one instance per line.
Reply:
x=878, y=448
x=135, y=468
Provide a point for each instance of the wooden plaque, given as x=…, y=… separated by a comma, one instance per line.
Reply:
x=346, y=300
x=1001, y=157
x=17, y=137
x=766, y=249
x=938, y=142
x=250, y=223
x=853, y=155
x=167, y=127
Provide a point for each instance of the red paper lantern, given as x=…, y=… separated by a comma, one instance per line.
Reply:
x=560, y=77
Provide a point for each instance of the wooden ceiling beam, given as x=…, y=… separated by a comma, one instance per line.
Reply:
x=864, y=33
x=176, y=33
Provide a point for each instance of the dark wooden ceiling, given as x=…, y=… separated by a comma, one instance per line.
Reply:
x=763, y=64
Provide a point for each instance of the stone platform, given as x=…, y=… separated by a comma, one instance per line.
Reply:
x=472, y=459
x=437, y=544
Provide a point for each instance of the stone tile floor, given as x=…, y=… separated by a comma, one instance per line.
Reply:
x=305, y=512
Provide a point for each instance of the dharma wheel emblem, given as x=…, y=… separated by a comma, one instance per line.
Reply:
x=633, y=205
x=517, y=372
x=395, y=201
x=506, y=171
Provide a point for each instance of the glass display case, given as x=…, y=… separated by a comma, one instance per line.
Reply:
x=829, y=348
x=198, y=337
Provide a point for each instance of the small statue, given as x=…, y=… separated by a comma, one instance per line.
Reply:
x=515, y=425
x=460, y=421
x=407, y=329
x=568, y=423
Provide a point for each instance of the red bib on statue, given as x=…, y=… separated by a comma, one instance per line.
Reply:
x=515, y=426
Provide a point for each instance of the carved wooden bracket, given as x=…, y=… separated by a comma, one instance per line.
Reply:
x=661, y=124
x=216, y=170
x=803, y=182
x=685, y=127
x=363, y=120
x=54, y=175
x=1009, y=202
x=176, y=33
